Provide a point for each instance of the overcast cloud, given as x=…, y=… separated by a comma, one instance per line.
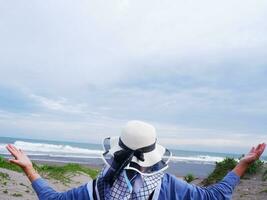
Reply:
x=78, y=70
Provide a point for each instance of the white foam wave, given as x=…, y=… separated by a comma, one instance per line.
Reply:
x=199, y=159
x=51, y=149
x=67, y=151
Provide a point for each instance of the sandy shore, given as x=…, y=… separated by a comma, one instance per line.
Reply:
x=17, y=186
x=252, y=188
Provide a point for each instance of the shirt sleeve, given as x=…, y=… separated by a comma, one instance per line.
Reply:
x=220, y=191
x=45, y=192
x=174, y=188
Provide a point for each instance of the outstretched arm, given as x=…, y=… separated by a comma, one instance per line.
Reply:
x=223, y=190
x=41, y=187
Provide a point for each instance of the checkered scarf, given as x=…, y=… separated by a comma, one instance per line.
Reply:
x=120, y=189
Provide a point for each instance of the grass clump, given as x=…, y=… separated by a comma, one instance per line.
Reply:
x=7, y=165
x=263, y=191
x=4, y=176
x=63, y=173
x=264, y=176
x=221, y=169
x=254, y=167
x=17, y=195
x=189, y=178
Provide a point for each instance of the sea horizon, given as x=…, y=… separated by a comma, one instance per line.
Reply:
x=182, y=162
x=88, y=148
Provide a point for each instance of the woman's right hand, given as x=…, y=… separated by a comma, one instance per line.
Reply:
x=20, y=158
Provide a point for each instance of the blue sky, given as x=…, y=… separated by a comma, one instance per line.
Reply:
x=78, y=70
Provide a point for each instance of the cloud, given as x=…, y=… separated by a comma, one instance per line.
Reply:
x=69, y=66
x=58, y=105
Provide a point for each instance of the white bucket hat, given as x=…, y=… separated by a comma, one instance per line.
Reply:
x=139, y=141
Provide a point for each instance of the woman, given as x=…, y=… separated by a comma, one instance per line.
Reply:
x=134, y=170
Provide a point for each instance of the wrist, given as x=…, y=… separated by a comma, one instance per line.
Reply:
x=241, y=168
x=31, y=173
x=243, y=164
x=28, y=169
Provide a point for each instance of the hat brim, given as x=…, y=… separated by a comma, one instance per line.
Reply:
x=154, y=161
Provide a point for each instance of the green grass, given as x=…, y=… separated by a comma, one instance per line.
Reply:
x=264, y=176
x=61, y=173
x=255, y=167
x=221, y=169
x=189, y=178
x=7, y=165
x=263, y=191
x=17, y=195
x=4, y=176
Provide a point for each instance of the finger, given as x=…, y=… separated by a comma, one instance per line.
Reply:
x=262, y=148
x=21, y=151
x=11, y=150
x=14, y=148
x=258, y=147
x=14, y=161
x=252, y=150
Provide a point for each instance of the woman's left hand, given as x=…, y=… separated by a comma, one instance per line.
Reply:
x=254, y=154
x=248, y=159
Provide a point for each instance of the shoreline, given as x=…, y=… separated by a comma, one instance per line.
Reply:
x=178, y=168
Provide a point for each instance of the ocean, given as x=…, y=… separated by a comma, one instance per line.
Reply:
x=182, y=162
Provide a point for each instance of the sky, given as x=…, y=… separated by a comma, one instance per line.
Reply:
x=79, y=70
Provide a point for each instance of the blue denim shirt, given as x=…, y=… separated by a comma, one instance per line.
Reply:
x=170, y=188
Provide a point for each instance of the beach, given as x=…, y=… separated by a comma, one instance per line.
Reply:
x=15, y=185
x=78, y=163
x=181, y=163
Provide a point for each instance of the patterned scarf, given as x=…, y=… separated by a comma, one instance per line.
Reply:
x=138, y=188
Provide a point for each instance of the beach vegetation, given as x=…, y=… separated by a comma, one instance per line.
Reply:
x=263, y=191
x=22, y=184
x=254, y=167
x=221, y=169
x=7, y=165
x=62, y=173
x=189, y=178
x=4, y=176
x=17, y=195
x=264, y=176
